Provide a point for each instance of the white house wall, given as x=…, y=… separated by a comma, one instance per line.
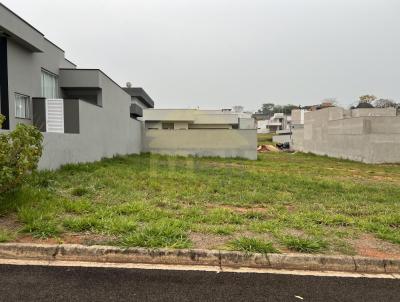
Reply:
x=202, y=142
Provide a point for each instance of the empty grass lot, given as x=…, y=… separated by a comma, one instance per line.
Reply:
x=265, y=139
x=280, y=203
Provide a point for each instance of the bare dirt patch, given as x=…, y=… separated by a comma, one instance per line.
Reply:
x=239, y=210
x=9, y=223
x=208, y=241
x=85, y=239
x=369, y=246
x=211, y=241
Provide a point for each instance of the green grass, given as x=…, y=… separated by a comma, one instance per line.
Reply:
x=5, y=236
x=158, y=201
x=252, y=245
x=305, y=245
x=163, y=233
x=265, y=139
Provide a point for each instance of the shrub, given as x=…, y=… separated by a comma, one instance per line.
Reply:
x=20, y=151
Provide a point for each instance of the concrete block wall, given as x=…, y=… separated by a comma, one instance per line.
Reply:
x=202, y=142
x=368, y=138
x=281, y=139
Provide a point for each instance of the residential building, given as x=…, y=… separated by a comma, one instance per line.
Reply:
x=295, y=120
x=139, y=100
x=276, y=122
x=84, y=115
x=199, y=133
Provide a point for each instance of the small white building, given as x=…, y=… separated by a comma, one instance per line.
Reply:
x=199, y=133
x=279, y=121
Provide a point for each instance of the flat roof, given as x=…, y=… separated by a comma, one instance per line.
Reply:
x=141, y=94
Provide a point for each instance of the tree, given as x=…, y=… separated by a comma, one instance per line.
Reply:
x=267, y=109
x=238, y=109
x=270, y=108
x=385, y=103
x=128, y=84
x=20, y=151
x=287, y=109
x=368, y=98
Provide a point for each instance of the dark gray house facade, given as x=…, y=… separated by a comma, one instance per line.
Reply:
x=84, y=115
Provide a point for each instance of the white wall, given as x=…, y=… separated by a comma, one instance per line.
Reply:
x=281, y=139
x=202, y=142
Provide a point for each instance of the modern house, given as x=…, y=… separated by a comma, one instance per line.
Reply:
x=267, y=124
x=84, y=115
x=139, y=100
x=199, y=133
x=294, y=121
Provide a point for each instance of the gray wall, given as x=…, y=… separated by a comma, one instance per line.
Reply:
x=24, y=72
x=370, y=139
x=202, y=142
x=282, y=138
x=100, y=136
x=135, y=100
x=103, y=131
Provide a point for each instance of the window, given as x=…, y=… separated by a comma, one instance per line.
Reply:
x=22, y=106
x=49, y=85
x=169, y=126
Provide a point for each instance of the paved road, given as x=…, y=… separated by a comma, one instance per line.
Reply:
x=40, y=283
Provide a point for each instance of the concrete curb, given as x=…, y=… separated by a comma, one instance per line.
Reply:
x=221, y=259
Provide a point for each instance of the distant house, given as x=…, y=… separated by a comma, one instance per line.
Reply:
x=139, y=100
x=364, y=105
x=84, y=115
x=267, y=124
x=199, y=133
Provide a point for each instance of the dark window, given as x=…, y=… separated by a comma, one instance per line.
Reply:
x=168, y=126
x=22, y=106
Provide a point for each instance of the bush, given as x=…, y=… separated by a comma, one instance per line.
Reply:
x=20, y=151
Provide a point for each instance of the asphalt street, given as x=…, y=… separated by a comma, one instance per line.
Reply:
x=42, y=283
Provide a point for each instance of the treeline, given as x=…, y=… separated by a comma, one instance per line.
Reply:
x=271, y=108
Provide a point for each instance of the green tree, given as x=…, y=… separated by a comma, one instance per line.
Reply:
x=20, y=151
x=270, y=108
x=385, y=103
x=267, y=108
x=368, y=98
